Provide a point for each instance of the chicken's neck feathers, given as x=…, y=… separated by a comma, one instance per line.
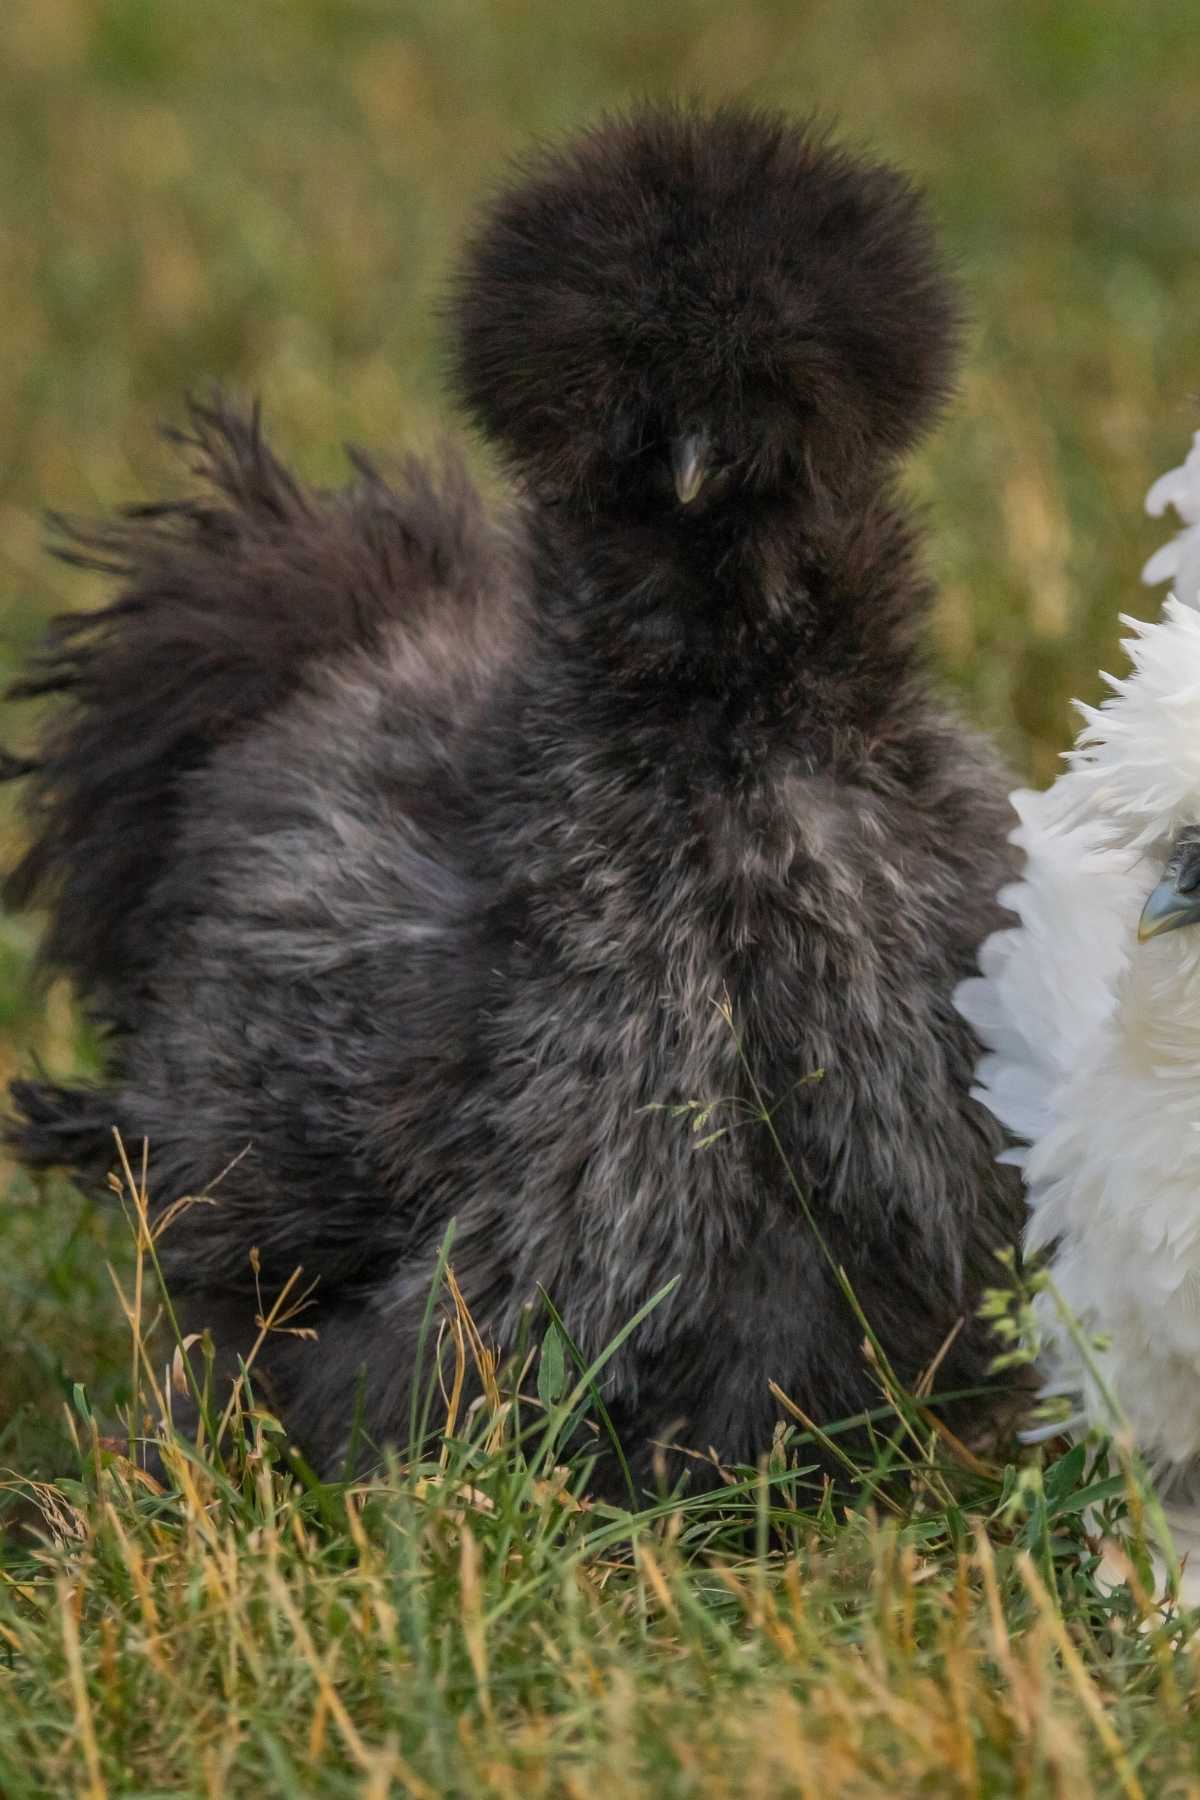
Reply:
x=786, y=630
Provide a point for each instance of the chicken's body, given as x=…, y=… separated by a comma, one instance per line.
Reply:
x=424, y=901
x=1094, y=1042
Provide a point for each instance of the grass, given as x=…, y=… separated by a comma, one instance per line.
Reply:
x=468, y=1622
x=269, y=195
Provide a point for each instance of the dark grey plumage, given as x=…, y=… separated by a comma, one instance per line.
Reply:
x=406, y=852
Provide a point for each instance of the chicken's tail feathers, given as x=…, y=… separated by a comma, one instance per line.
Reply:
x=226, y=601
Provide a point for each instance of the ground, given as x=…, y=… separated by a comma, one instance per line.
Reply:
x=269, y=196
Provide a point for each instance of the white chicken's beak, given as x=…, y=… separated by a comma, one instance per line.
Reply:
x=1169, y=906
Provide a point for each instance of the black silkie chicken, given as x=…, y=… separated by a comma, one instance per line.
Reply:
x=407, y=853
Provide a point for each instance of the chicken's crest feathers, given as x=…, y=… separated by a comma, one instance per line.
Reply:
x=1137, y=757
x=1178, y=561
x=671, y=265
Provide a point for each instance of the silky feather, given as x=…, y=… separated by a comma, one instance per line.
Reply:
x=1093, y=1039
x=423, y=863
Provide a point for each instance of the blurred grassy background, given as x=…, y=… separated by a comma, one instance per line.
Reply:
x=269, y=195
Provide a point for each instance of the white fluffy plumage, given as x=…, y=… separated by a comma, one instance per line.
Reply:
x=1093, y=1038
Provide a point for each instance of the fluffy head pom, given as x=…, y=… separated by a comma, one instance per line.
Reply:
x=673, y=271
x=1137, y=759
x=1136, y=762
x=1179, y=560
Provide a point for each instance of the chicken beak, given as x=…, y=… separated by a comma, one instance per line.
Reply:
x=689, y=465
x=1168, y=908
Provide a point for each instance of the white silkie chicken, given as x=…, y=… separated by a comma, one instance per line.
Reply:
x=1089, y=1011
